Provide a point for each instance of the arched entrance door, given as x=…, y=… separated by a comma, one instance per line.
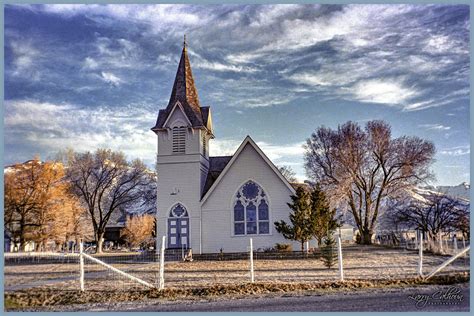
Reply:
x=178, y=227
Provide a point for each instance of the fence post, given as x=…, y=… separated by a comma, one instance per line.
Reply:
x=420, y=253
x=162, y=264
x=252, y=279
x=81, y=265
x=339, y=257
x=455, y=244
x=463, y=244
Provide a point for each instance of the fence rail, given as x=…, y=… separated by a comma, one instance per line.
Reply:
x=100, y=271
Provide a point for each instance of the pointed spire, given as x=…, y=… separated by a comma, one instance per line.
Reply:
x=185, y=92
x=184, y=89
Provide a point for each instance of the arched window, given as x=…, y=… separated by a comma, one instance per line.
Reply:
x=178, y=211
x=251, y=212
x=179, y=140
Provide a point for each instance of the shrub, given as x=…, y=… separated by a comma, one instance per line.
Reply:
x=283, y=247
x=328, y=252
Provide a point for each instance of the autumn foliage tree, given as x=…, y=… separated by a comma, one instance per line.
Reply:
x=361, y=167
x=106, y=182
x=138, y=229
x=38, y=204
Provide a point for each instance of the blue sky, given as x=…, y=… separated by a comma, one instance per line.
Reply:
x=89, y=76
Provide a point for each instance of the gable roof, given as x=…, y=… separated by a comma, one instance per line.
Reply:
x=247, y=140
x=184, y=91
x=216, y=166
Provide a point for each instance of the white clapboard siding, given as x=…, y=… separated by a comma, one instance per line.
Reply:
x=217, y=225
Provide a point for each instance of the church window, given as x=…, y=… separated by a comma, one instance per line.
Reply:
x=179, y=140
x=251, y=211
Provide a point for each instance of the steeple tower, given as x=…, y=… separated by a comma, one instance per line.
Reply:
x=184, y=91
x=183, y=131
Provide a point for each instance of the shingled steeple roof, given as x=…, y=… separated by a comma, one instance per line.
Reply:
x=185, y=92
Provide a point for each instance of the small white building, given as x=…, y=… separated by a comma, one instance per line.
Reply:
x=208, y=203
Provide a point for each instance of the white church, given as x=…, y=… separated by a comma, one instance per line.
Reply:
x=209, y=204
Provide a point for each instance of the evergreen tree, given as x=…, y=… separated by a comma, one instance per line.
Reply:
x=323, y=219
x=300, y=227
x=328, y=252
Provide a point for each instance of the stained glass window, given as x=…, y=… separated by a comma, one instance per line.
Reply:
x=251, y=211
x=263, y=210
x=239, y=212
x=250, y=190
x=178, y=211
x=263, y=227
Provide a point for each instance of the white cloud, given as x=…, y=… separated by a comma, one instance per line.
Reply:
x=382, y=91
x=110, y=78
x=443, y=100
x=439, y=127
x=265, y=100
x=268, y=14
x=200, y=62
x=25, y=55
x=117, y=53
x=90, y=63
x=223, y=146
x=276, y=152
x=226, y=147
x=244, y=58
x=324, y=78
x=56, y=126
x=457, y=151
x=216, y=66
x=160, y=16
x=444, y=44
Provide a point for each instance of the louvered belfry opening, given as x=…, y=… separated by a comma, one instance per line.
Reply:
x=179, y=140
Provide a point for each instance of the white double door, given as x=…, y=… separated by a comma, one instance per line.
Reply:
x=178, y=232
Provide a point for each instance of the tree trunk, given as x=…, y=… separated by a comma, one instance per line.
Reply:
x=302, y=246
x=99, y=242
x=366, y=238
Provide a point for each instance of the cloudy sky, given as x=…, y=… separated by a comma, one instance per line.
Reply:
x=89, y=76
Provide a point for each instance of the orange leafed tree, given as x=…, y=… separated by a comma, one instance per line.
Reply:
x=138, y=229
x=38, y=204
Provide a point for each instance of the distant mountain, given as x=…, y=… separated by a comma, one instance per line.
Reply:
x=459, y=191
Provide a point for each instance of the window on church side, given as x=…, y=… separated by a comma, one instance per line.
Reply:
x=179, y=140
x=251, y=212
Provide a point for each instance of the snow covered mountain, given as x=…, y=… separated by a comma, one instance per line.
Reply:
x=461, y=191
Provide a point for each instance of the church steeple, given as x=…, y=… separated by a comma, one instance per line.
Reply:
x=184, y=91
x=184, y=88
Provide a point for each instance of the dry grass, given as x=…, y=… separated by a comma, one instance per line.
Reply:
x=33, y=298
x=369, y=263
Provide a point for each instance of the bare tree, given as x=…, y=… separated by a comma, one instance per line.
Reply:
x=106, y=182
x=435, y=214
x=359, y=167
x=288, y=173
